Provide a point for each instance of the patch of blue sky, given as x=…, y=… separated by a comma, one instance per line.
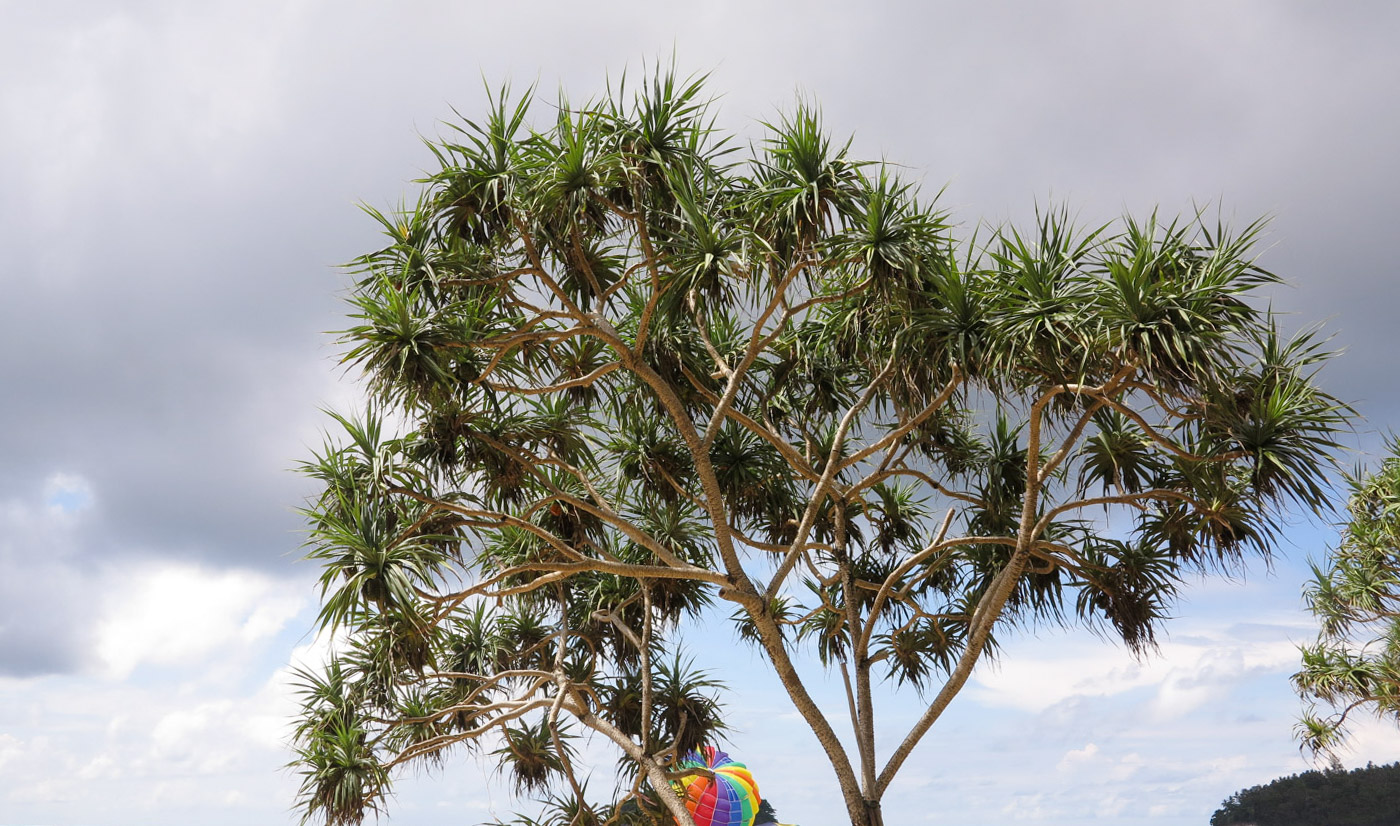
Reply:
x=67, y=493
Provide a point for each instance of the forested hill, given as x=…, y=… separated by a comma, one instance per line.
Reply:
x=1360, y=797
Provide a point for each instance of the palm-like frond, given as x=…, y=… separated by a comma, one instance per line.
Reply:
x=529, y=757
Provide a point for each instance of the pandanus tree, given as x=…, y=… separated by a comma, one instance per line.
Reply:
x=1355, y=663
x=628, y=372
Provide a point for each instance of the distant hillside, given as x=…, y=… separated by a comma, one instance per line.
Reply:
x=1360, y=797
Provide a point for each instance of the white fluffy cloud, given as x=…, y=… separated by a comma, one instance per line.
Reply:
x=1197, y=665
x=170, y=722
x=166, y=614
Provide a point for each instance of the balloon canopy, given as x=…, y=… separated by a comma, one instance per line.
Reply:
x=730, y=798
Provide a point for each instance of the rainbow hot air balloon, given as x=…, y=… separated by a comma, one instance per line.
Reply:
x=730, y=798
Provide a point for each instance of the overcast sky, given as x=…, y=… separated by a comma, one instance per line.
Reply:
x=179, y=180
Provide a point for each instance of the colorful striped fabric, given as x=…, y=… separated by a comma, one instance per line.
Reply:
x=729, y=799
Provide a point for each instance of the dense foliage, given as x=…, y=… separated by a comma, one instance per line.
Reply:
x=1361, y=797
x=627, y=372
x=1355, y=663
